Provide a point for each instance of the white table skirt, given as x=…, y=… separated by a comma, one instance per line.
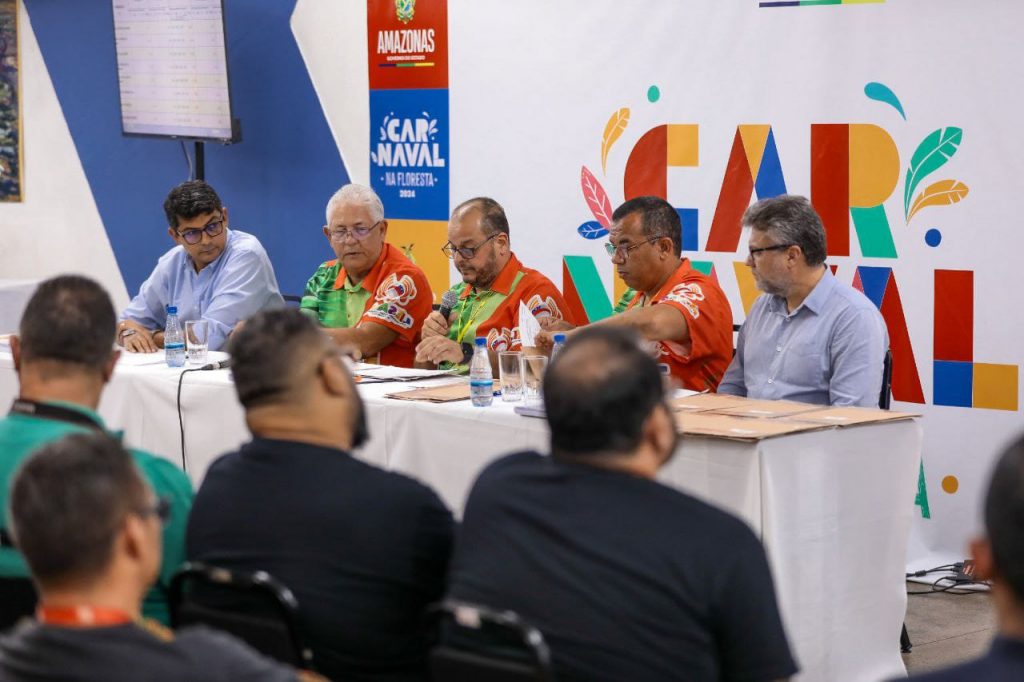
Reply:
x=832, y=507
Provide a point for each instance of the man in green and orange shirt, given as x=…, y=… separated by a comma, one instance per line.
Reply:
x=683, y=313
x=371, y=296
x=494, y=283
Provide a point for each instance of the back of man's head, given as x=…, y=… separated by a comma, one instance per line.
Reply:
x=1004, y=518
x=190, y=199
x=68, y=502
x=598, y=393
x=68, y=319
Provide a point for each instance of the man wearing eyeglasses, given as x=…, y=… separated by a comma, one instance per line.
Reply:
x=494, y=282
x=679, y=310
x=215, y=274
x=371, y=295
x=810, y=338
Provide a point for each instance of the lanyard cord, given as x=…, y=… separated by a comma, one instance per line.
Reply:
x=477, y=307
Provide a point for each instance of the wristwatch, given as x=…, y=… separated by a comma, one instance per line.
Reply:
x=467, y=353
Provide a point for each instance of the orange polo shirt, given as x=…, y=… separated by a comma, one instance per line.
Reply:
x=699, y=362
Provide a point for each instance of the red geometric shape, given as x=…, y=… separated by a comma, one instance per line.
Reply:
x=572, y=297
x=733, y=200
x=954, y=315
x=906, y=382
x=830, y=183
x=647, y=169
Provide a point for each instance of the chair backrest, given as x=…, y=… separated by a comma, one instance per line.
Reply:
x=885, y=398
x=479, y=643
x=292, y=298
x=17, y=600
x=254, y=607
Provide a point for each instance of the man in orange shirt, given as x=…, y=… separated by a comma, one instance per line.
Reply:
x=682, y=311
x=370, y=296
x=494, y=282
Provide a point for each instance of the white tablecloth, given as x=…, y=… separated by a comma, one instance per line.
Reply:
x=14, y=295
x=832, y=507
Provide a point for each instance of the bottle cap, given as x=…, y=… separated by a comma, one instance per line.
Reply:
x=172, y=310
x=559, y=338
x=481, y=340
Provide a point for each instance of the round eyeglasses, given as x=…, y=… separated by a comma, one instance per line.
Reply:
x=358, y=233
x=212, y=229
x=466, y=252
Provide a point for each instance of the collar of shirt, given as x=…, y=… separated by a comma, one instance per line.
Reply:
x=815, y=301
x=681, y=271
x=92, y=415
x=371, y=280
x=505, y=280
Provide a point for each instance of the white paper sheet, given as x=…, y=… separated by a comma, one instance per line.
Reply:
x=529, y=327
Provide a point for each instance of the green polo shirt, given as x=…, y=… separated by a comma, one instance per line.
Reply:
x=334, y=308
x=20, y=435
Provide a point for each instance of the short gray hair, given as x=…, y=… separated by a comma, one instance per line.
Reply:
x=792, y=220
x=357, y=194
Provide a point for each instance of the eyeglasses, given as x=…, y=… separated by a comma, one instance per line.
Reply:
x=160, y=509
x=776, y=247
x=359, y=233
x=466, y=252
x=623, y=251
x=195, y=236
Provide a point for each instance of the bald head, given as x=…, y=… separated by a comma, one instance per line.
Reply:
x=599, y=392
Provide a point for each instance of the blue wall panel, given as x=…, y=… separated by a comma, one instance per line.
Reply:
x=275, y=183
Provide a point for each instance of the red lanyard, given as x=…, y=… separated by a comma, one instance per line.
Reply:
x=82, y=616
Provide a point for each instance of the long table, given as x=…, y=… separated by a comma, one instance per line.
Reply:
x=833, y=507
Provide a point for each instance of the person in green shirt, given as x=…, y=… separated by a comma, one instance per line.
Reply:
x=64, y=356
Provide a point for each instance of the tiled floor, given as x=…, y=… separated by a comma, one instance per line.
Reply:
x=946, y=629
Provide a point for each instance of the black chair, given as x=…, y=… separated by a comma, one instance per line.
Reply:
x=479, y=643
x=254, y=607
x=291, y=298
x=17, y=601
x=885, y=398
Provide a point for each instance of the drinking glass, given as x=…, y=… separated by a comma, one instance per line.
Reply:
x=511, y=372
x=533, y=367
x=197, y=336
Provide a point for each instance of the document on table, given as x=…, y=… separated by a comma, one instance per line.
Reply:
x=129, y=359
x=368, y=371
x=529, y=327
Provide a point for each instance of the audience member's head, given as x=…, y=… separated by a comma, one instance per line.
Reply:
x=283, y=364
x=478, y=241
x=66, y=332
x=356, y=228
x=1001, y=555
x=197, y=221
x=604, y=399
x=84, y=519
x=787, y=240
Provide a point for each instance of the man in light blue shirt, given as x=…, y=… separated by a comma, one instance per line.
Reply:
x=810, y=338
x=215, y=274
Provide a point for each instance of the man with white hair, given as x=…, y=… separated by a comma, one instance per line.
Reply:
x=371, y=295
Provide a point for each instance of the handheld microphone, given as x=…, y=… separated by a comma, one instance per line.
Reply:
x=223, y=364
x=448, y=302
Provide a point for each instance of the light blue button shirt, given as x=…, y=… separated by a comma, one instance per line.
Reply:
x=829, y=351
x=238, y=284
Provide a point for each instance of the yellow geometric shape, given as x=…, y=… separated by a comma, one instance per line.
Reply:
x=618, y=287
x=874, y=165
x=755, y=138
x=683, y=148
x=950, y=485
x=995, y=386
x=421, y=240
x=748, y=286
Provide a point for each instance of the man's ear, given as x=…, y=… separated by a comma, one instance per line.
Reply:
x=383, y=228
x=984, y=564
x=133, y=536
x=174, y=235
x=660, y=430
x=336, y=380
x=108, y=367
x=16, y=352
x=224, y=212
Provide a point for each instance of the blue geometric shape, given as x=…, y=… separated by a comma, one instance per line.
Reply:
x=882, y=93
x=953, y=383
x=770, y=182
x=688, y=217
x=275, y=182
x=933, y=237
x=874, y=280
x=592, y=230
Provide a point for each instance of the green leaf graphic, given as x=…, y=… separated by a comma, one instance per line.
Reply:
x=934, y=151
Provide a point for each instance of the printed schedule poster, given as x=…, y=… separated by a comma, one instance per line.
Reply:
x=172, y=68
x=409, y=152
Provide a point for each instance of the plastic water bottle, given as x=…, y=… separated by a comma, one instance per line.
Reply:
x=559, y=343
x=481, y=379
x=174, y=340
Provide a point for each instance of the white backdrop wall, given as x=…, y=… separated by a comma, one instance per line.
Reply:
x=532, y=85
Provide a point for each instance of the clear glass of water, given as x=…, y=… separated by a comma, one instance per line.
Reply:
x=533, y=367
x=197, y=336
x=511, y=372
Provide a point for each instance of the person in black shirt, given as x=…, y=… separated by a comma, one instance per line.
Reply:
x=364, y=550
x=89, y=528
x=999, y=557
x=626, y=578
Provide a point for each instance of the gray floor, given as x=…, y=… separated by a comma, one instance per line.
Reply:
x=946, y=629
